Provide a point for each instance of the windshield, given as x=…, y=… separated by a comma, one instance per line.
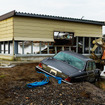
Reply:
x=71, y=60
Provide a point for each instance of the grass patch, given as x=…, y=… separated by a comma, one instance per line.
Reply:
x=2, y=76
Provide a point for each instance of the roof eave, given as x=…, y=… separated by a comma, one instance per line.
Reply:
x=60, y=18
x=7, y=15
x=14, y=13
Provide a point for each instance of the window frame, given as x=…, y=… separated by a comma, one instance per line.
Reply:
x=88, y=63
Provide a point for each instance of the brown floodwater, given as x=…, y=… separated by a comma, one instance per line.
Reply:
x=101, y=83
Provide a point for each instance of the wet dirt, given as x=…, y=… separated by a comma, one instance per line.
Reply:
x=100, y=84
x=13, y=90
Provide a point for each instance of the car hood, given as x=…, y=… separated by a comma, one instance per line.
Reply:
x=60, y=65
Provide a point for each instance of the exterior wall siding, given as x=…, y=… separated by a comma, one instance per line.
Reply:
x=43, y=29
x=7, y=57
x=6, y=29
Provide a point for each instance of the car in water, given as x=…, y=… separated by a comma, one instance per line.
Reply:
x=70, y=66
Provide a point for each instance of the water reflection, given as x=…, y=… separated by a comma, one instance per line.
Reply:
x=101, y=84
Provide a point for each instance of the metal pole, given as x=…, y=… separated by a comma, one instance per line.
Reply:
x=89, y=44
x=8, y=47
x=23, y=47
x=69, y=48
x=0, y=47
x=4, y=47
x=76, y=44
x=13, y=43
x=32, y=47
x=40, y=47
x=15, y=47
x=83, y=45
x=55, y=50
x=48, y=48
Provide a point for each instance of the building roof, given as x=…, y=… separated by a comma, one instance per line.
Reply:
x=14, y=13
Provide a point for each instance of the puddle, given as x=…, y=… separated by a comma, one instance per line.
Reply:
x=100, y=84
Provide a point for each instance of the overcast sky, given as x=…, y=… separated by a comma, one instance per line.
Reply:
x=90, y=9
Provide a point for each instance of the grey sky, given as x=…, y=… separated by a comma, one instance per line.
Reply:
x=90, y=9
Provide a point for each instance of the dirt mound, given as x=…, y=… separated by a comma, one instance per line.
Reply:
x=11, y=77
x=13, y=90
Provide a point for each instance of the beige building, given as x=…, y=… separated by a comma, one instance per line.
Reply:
x=26, y=36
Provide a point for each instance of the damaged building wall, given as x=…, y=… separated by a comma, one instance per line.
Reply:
x=30, y=36
x=37, y=29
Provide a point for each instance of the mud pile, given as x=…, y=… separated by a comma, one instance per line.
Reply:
x=13, y=90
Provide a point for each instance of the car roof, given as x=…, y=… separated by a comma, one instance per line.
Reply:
x=80, y=56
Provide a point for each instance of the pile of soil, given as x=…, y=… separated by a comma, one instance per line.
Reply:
x=13, y=90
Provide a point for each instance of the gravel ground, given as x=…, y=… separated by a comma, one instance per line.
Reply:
x=13, y=90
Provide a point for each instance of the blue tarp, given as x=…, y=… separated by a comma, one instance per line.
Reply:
x=45, y=81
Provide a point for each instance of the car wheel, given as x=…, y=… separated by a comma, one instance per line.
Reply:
x=98, y=76
x=94, y=78
x=91, y=78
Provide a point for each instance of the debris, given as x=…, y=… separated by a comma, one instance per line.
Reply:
x=27, y=98
x=3, y=65
x=44, y=82
x=103, y=73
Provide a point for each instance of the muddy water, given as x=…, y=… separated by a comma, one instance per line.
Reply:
x=101, y=84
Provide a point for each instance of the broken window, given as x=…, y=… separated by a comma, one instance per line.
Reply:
x=71, y=60
x=91, y=66
x=63, y=38
x=35, y=47
x=63, y=41
x=43, y=48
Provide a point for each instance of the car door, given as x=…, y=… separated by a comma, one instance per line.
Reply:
x=90, y=71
